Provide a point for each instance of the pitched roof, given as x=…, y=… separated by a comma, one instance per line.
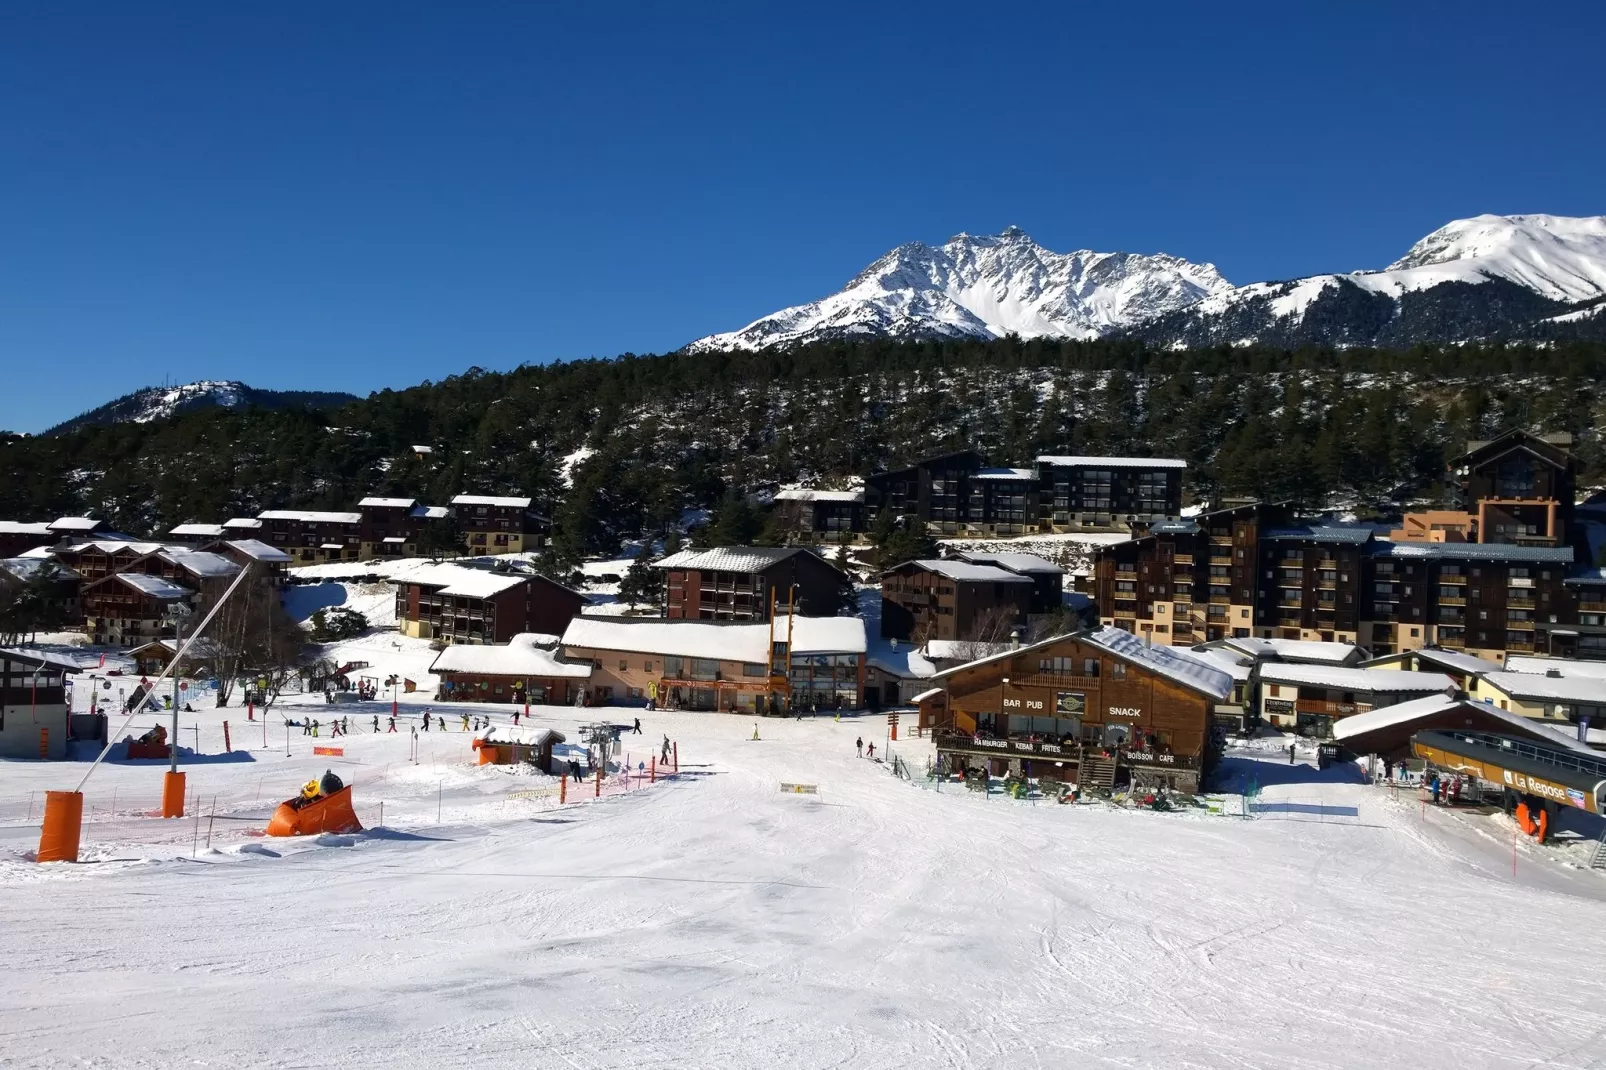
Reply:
x=387, y=503
x=16, y=527
x=1595, y=670
x=1298, y=650
x=1348, y=534
x=1582, y=689
x=1179, y=666
x=311, y=516
x=1427, y=706
x=249, y=522
x=1004, y=474
x=801, y=494
x=965, y=572
x=201, y=563
x=197, y=529
x=462, y=582
x=715, y=640
x=527, y=654
x=431, y=512
x=75, y=523
x=26, y=568
x=1373, y=681
x=1023, y=563
x=1453, y=660
x=1474, y=551
x=155, y=586
x=1111, y=462
x=32, y=657
x=1176, y=527
x=491, y=499
x=258, y=550
x=731, y=558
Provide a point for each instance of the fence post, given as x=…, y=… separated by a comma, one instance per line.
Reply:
x=44, y=743
x=676, y=745
x=563, y=789
x=599, y=782
x=227, y=746
x=652, y=766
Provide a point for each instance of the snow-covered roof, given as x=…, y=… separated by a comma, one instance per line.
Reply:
x=1448, y=659
x=257, y=550
x=1175, y=527
x=1347, y=534
x=112, y=546
x=1175, y=664
x=1303, y=650
x=208, y=531
x=16, y=527
x=461, y=582
x=524, y=655
x=1111, y=462
x=423, y=449
x=805, y=495
x=715, y=640
x=203, y=647
x=933, y=693
x=200, y=563
x=1010, y=474
x=393, y=539
x=729, y=558
x=154, y=586
x=949, y=649
x=249, y=523
x=74, y=523
x=1342, y=678
x=1567, y=667
x=387, y=503
x=331, y=546
x=431, y=512
x=311, y=516
x=965, y=572
x=1028, y=563
x=1586, y=576
x=26, y=568
x=35, y=657
x=1225, y=660
x=525, y=734
x=1404, y=713
x=1582, y=689
x=491, y=499
x=1474, y=551
x=1179, y=666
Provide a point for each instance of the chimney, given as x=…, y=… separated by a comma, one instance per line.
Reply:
x=1014, y=638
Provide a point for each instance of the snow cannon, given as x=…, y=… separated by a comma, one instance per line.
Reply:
x=324, y=805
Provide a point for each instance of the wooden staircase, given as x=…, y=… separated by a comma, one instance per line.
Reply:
x=1598, y=859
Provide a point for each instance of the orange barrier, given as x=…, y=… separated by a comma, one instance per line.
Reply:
x=1537, y=828
x=333, y=752
x=137, y=749
x=64, y=820
x=330, y=813
x=172, y=794
x=489, y=754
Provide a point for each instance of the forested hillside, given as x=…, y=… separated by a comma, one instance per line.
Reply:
x=1363, y=428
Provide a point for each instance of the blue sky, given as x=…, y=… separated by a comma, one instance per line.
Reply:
x=358, y=195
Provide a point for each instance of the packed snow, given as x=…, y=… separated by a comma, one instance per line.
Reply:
x=711, y=920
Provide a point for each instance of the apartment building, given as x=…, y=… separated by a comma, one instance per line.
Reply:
x=959, y=600
x=457, y=604
x=821, y=515
x=311, y=536
x=740, y=582
x=494, y=524
x=1108, y=492
x=389, y=527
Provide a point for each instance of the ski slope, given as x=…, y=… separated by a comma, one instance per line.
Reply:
x=712, y=921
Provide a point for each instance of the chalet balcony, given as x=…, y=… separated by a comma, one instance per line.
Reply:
x=1221, y=540
x=1446, y=600
x=1049, y=679
x=1452, y=642
x=1591, y=606
x=1064, y=750
x=1523, y=601
x=1520, y=625
x=1126, y=572
x=1182, y=559
x=1328, y=563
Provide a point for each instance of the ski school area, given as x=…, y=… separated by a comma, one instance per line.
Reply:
x=764, y=898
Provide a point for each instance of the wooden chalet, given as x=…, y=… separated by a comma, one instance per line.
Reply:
x=35, y=721
x=1100, y=708
x=458, y=604
x=130, y=608
x=941, y=599
x=529, y=668
x=497, y=524
x=740, y=582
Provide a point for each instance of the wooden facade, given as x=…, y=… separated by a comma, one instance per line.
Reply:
x=737, y=583
x=1520, y=486
x=924, y=600
x=1074, y=710
x=494, y=524
x=429, y=607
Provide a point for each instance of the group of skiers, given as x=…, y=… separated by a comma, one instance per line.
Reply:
x=864, y=752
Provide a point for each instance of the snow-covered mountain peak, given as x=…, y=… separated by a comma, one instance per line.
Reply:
x=1560, y=257
x=987, y=286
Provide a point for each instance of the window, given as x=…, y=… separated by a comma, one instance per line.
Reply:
x=1118, y=670
x=624, y=665
x=752, y=668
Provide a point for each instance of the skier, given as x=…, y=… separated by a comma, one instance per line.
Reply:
x=465, y=722
x=858, y=745
x=638, y=726
x=376, y=724
x=665, y=758
x=426, y=722
x=871, y=752
x=515, y=718
x=574, y=770
x=392, y=722
x=1290, y=754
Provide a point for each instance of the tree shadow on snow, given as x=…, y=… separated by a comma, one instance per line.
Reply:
x=1235, y=772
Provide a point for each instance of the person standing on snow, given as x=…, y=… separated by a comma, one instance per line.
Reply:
x=1290, y=754
x=858, y=745
x=392, y=722
x=376, y=724
x=638, y=726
